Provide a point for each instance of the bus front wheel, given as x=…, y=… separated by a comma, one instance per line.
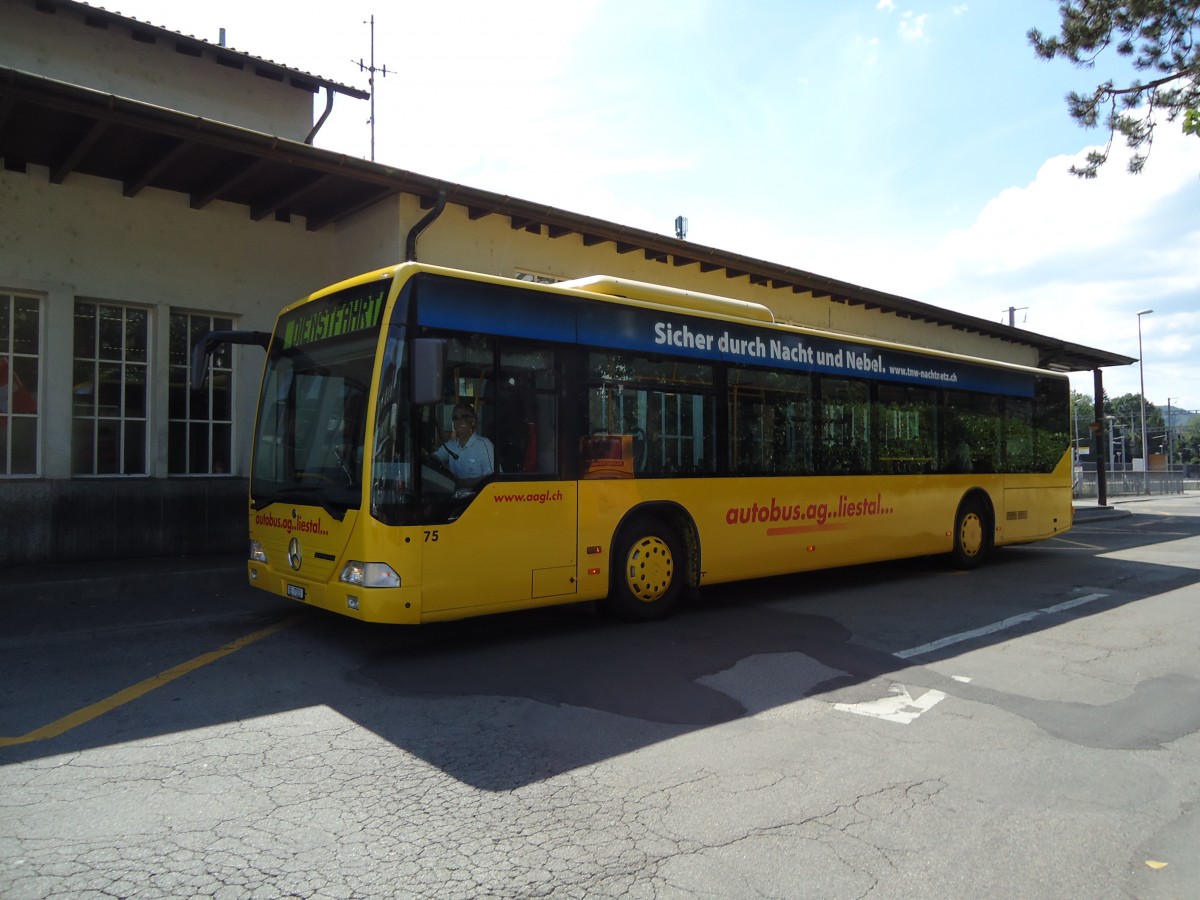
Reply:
x=971, y=539
x=648, y=570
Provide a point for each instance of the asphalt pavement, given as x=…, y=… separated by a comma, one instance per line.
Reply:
x=898, y=730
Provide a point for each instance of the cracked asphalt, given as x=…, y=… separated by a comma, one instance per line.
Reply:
x=167, y=732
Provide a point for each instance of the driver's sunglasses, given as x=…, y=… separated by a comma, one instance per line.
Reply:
x=464, y=418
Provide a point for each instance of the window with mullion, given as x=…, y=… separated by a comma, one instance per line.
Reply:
x=20, y=351
x=200, y=423
x=111, y=389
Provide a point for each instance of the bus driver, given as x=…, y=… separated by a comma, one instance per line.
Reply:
x=469, y=457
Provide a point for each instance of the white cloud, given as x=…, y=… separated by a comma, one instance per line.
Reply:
x=886, y=5
x=912, y=26
x=1078, y=258
x=1084, y=257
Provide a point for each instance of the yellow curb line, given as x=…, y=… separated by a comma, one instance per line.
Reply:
x=120, y=698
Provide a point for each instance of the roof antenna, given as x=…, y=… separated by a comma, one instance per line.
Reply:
x=681, y=224
x=371, y=70
x=1012, y=315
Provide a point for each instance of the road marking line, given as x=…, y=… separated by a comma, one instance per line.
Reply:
x=1079, y=544
x=120, y=698
x=1071, y=604
x=1002, y=625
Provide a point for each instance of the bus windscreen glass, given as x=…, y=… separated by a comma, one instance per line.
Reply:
x=312, y=414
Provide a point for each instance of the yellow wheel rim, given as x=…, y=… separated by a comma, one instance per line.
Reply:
x=970, y=535
x=649, y=568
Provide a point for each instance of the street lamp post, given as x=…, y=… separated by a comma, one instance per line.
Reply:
x=1168, y=441
x=1112, y=444
x=1142, y=379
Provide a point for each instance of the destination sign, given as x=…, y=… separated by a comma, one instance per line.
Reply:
x=347, y=312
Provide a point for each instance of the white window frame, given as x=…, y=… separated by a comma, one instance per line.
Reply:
x=126, y=364
x=221, y=369
x=9, y=389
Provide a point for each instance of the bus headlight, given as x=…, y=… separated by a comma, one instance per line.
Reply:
x=370, y=574
x=256, y=552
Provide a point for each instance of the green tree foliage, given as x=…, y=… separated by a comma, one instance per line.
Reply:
x=1084, y=407
x=1187, y=442
x=1161, y=38
x=1126, y=412
x=1083, y=414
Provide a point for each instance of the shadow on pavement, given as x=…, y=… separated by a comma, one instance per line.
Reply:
x=496, y=702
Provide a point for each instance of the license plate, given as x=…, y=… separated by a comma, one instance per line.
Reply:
x=295, y=592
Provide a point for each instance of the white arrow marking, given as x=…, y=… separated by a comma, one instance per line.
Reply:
x=900, y=708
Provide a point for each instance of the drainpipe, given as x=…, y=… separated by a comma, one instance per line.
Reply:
x=410, y=243
x=325, y=115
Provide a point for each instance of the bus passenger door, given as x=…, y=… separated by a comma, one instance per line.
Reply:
x=514, y=541
x=514, y=545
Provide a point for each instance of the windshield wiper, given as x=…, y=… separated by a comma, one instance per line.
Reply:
x=337, y=454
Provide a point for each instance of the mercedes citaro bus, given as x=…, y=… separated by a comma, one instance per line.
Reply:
x=643, y=439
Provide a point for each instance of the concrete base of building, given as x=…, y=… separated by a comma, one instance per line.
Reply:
x=72, y=521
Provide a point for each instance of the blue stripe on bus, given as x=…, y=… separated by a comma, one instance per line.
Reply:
x=511, y=312
x=468, y=306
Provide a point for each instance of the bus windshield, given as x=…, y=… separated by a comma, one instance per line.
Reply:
x=313, y=409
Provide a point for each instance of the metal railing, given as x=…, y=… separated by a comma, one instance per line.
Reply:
x=1125, y=483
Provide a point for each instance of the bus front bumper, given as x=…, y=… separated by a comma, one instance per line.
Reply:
x=396, y=606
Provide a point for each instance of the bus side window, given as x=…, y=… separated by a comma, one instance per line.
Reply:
x=1018, y=435
x=905, y=434
x=526, y=417
x=1051, y=432
x=770, y=422
x=971, y=433
x=468, y=380
x=844, y=444
x=667, y=408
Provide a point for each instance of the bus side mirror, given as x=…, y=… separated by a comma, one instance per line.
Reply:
x=207, y=345
x=200, y=354
x=428, y=364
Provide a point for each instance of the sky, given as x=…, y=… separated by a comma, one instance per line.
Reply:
x=918, y=148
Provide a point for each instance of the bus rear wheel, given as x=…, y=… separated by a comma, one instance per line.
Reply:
x=971, y=539
x=648, y=570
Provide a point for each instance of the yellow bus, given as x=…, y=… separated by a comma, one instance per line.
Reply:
x=433, y=444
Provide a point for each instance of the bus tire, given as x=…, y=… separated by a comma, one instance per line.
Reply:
x=647, y=570
x=971, y=534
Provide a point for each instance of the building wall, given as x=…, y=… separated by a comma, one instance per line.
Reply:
x=67, y=521
x=372, y=239
x=82, y=240
x=61, y=45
